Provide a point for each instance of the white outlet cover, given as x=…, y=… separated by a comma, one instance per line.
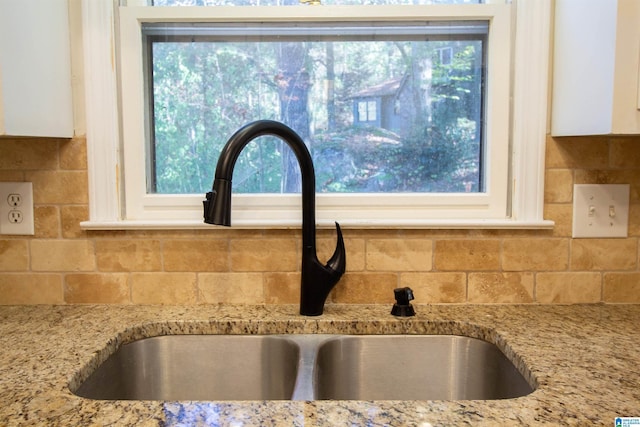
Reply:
x=600, y=210
x=25, y=190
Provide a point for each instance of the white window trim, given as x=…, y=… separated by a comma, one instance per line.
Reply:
x=104, y=121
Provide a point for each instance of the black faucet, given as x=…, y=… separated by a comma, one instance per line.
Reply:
x=317, y=279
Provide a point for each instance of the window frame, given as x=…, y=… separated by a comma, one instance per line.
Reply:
x=113, y=98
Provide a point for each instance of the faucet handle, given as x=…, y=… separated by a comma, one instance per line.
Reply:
x=338, y=261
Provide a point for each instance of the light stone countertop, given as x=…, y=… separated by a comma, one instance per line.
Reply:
x=585, y=360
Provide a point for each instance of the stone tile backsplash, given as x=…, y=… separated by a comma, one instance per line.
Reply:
x=64, y=264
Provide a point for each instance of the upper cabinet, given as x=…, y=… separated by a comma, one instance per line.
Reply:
x=35, y=69
x=596, y=78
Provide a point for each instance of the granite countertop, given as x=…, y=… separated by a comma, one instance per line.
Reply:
x=584, y=359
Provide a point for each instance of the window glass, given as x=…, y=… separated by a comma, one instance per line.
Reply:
x=382, y=107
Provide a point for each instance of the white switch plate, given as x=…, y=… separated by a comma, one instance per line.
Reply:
x=16, y=208
x=600, y=210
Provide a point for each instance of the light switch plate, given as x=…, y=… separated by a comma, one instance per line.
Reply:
x=600, y=210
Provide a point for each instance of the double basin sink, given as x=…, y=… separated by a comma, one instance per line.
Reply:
x=306, y=367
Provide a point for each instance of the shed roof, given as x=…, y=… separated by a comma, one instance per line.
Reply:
x=386, y=88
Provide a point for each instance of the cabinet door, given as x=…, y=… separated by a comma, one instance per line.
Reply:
x=626, y=116
x=596, y=67
x=638, y=106
x=35, y=69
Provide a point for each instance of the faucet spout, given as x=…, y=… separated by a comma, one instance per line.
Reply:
x=317, y=280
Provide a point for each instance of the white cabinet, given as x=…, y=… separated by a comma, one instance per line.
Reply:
x=35, y=69
x=596, y=78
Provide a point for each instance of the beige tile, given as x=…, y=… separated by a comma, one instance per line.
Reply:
x=610, y=176
x=533, y=254
x=604, y=254
x=152, y=234
x=31, y=289
x=14, y=255
x=163, y=288
x=634, y=220
x=11, y=175
x=562, y=216
x=622, y=288
x=195, y=255
x=399, y=255
x=434, y=288
x=282, y=288
x=366, y=288
x=70, y=218
x=381, y=234
x=568, y=288
x=232, y=288
x=59, y=187
x=277, y=255
x=88, y=288
x=558, y=186
x=353, y=247
x=405, y=256
x=625, y=152
x=574, y=152
x=62, y=255
x=467, y=255
x=73, y=154
x=509, y=288
x=29, y=153
x=46, y=222
x=128, y=255
x=633, y=179
x=603, y=176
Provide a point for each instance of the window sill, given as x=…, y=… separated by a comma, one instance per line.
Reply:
x=503, y=224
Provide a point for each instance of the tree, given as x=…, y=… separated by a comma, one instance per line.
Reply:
x=203, y=91
x=293, y=84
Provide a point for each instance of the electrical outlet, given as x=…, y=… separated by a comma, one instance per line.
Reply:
x=15, y=217
x=16, y=208
x=14, y=199
x=600, y=210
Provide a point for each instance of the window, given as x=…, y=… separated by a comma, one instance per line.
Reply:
x=335, y=85
x=445, y=55
x=367, y=111
x=407, y=101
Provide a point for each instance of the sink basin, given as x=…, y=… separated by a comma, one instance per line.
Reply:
x=305, y=367
x=415, y=367
x=197, y=367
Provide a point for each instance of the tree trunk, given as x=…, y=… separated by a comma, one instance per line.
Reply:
x=293, y=91
x=331, y=89
x=421, y=72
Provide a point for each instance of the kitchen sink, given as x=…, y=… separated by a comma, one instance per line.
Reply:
x=197, y=367
x=415, y=367
x=306, y=367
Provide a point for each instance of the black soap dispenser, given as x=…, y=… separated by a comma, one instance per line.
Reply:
x=402, y=307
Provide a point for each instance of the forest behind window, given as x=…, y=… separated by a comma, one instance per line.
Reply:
x=382, y=108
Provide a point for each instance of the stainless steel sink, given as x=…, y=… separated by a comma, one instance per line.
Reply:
x=414, y=367
x=197, y=367
x=305, y=367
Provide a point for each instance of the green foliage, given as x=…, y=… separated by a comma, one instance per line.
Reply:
x=204, y=91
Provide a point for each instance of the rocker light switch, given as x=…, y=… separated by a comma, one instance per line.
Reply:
x=600, y=210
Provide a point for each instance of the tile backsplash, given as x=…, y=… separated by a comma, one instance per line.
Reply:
x=65, y=264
